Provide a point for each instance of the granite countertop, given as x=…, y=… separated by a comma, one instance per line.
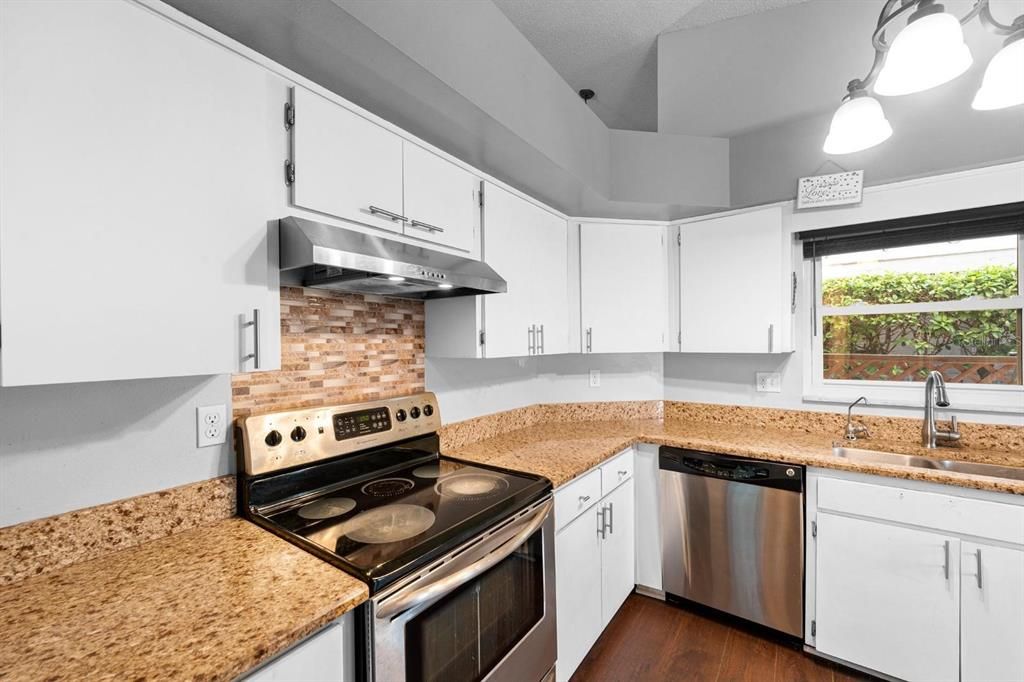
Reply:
x=206, y=604
x=563, y=450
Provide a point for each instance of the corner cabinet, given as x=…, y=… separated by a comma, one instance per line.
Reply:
x=138, y=234
x=594, y=556
x=623, y=288
x=346, y=166
x=921, y=582
x=528, y=246
x=736, y=284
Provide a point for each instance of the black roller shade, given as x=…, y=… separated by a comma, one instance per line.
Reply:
x=971, y=223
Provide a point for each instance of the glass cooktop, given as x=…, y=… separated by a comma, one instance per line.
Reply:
x=386, y=520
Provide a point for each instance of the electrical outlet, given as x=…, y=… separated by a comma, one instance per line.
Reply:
x=211, y=425
x=595, y=378
x=769, y=382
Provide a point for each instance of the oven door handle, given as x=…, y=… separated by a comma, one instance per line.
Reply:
x=507, y=541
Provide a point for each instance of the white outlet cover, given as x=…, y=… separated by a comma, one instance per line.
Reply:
x=769, y=382
x=211, y=425
x=595, y=378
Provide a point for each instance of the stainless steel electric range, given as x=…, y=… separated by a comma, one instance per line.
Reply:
x=459, y=557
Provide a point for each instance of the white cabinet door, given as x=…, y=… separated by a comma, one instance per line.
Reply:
x=992, y=613
x=733, y=272
x=345, y=165
x=623, y=288
x=327, y=656
x=648, y=518
x=441, y=200
x=577, y=591
x=887, y=598
x=618, y=550
x=138, y=234
x=548, y=268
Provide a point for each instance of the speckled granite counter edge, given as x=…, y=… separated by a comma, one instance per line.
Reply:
x=43, y=545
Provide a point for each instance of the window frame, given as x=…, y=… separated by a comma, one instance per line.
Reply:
x=963, y=397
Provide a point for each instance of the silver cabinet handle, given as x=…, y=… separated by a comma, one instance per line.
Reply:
x=531, y=339
x=601, y=523
x=426, y=226
x=388, y=214
x=946, y=564
x=540, y=339
x=610, y=518
x=590, y=339
x=584, y=499
x=623, y=473
x=255, y=324
x=771, y=338
x=977, y=555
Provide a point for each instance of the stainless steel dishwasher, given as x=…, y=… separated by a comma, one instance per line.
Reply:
x=733, y=536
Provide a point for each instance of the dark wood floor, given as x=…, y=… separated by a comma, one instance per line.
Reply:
x=651, y=640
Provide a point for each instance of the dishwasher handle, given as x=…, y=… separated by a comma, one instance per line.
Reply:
x=733, y=469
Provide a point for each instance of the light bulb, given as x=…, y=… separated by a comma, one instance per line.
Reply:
x=1003, y=84
x=928, y=52
x=858, y=124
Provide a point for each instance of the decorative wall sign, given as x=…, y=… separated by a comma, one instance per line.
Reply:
x=836, y=189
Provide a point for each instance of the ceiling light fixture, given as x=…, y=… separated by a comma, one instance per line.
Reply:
x=928, y=52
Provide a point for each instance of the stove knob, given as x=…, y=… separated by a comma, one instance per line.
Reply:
x=273, y=439
x=414, y=413
x=400, y=415
x=298, y=433
x=428, y=410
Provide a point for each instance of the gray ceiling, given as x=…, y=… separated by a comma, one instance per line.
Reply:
x=611, y=45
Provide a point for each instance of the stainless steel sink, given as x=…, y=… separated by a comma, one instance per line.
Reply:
x=876, y=457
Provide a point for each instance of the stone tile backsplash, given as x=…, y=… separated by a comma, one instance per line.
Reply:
x=337, y=348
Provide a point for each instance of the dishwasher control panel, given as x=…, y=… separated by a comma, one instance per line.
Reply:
x=730, y=468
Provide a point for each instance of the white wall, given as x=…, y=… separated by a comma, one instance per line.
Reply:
x=470, y=388
x=78, y=445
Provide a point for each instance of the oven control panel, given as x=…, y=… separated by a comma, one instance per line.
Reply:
x=361, y=423
x=281, y=440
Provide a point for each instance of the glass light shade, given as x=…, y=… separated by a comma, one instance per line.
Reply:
x=1003, y=84
x=858, y=124
x=929, y=51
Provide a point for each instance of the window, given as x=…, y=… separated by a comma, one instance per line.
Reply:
x=893, y=305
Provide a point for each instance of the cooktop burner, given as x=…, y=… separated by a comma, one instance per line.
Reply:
x=390, y=523
x=427, y=471
x=326, y=507
x=388, y=487
x=471, y=486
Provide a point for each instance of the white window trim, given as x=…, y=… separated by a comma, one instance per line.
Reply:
x=963, y=397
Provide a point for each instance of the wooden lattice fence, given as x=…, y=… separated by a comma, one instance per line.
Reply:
x=976, y=369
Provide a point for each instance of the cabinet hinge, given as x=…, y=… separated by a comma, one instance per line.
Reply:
x=289, y=115
x=289, y=173
x=814, y=628
x=814, y=529
x=679, y=337
x=679, y=238
x=480, y=194
x=792, y=295
x=483, y=337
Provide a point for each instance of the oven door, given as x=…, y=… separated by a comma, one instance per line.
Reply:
x=486, y=611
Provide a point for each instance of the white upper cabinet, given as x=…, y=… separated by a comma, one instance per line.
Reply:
x=735, y=284
x=345, y=165
x=348, y=167
x=137, y=229
x=528, y=246
x=441, y=199
x=623, y=288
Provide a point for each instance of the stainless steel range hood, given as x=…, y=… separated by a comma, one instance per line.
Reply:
x=328, y=257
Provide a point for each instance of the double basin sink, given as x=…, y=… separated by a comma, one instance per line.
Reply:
x=876, y=457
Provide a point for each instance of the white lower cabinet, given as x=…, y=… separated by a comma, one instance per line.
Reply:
x=648, y=519
x=887, y=598
x=327, y=656
x=991, y=613
x=594, y=558
x=916, y=581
